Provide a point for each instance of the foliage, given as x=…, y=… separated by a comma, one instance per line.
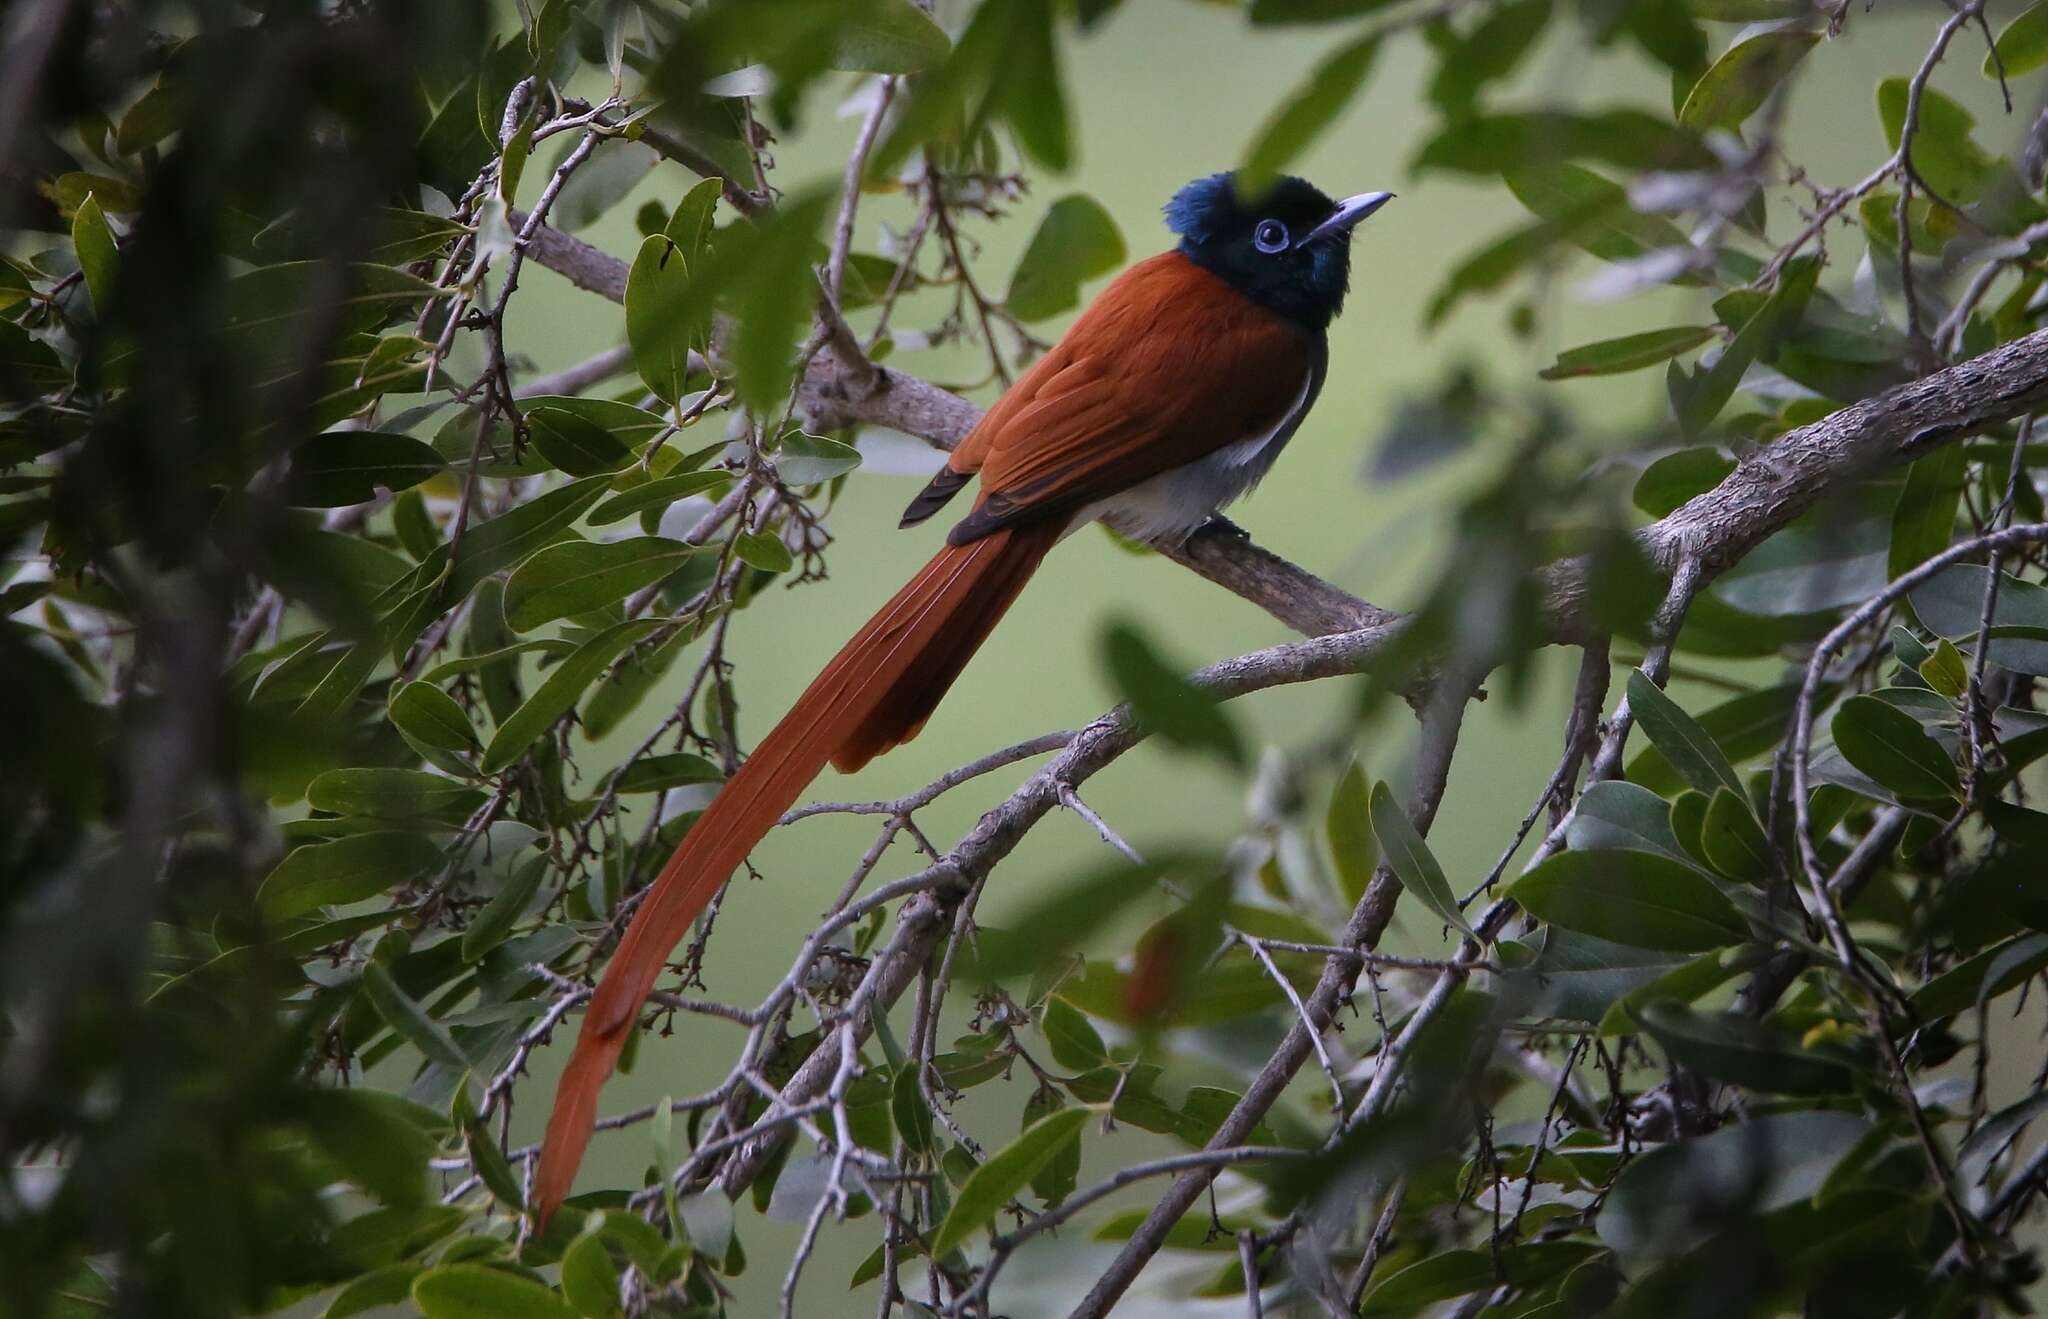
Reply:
x=316, y=596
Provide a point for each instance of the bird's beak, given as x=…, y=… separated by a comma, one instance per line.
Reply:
x=1347, y=215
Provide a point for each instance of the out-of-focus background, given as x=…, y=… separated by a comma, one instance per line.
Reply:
x=1165, y=92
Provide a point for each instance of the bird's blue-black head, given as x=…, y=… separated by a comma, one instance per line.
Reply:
x=1287, y=248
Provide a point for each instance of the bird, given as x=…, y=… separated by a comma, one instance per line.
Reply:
x=1169, y=397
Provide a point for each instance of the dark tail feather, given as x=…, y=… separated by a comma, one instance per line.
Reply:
x=875, y=694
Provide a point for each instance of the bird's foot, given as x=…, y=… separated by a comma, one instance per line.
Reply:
x=1218, y=525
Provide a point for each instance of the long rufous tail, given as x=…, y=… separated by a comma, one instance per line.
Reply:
x=874, y=695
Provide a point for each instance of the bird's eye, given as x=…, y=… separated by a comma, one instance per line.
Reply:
x=1270, y=236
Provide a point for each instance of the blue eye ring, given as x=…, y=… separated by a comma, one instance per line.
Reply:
x=1270, y=236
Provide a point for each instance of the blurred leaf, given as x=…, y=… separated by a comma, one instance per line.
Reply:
x=1641, y=899
x=475, y=1291
x=1731, y=1047
x=1062, y=917
x=913, y=1120
x=339, y=468
x=1984, y=1145
x=1630, y=353
x=1674, y=1197
x=1006, y=1173
x=1004, y=66
x=1312, y=11
x=2022, y=44
x=412, y=1022
x=804, y=459
x=1588, y=211
x=612, y=171
x=575, y=444
x=1688, y=748
x=491, y=546
x=1429, y=429
x=589, y=1280
x=346, y=870
x=578, y=576
x=428, y=715
x=558, y=695
x=1508, y=143
x=1736, y=85
x=1075, y=242
x=1890, y=746
x=1164, y=702
x=1349, y=825
x=1684, y=983
x=375, y=1137
x=1445, y=1275
x=887, y=36
x=1306, y=113
x=1488, y=53
x=1411, y=860
x=1995, y=971
x=98, y=258
x=374, y=1289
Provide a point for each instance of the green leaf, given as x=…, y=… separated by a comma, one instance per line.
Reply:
x=575, y=444
x=488, y=928
x=1616, y=816
x=1411, y=860
x=1924, y=520
x=392, y=794
x=1995, y=971
x=690, y=223
x=804, y=459
x=98, y=258
x=1945, y=671
x=1630, y=353
x=1307, y=112
x=1741, y=727
x=1007, y=1172
x=1004, y=66
x=1591, y=212
x=490, y=547
x=1891, y=747
x=1349, y=824
x=1069, y=912
x=474, y=1291
x=1075, y=242
x=2022, y=44
x=414, y=1023
x=1668, y=483
x=1944, y=153
x=346, y=870
x=1736, y=85
x=589, y=1280
x=340, y=468
x=1684, y=983
x=1076, y=1045
x=1278, y=12
x=607, y=176
x=658, y=494
x=886, y=36
x=578, y=576
x=907, y=1110
x=1700, y=397
x=563, y=688
x=1733, y=840
x=431, y=717
x=1491, y=51
x=1641, y=899
x=1951, y=604
x=1579, y=977
x=1164, y=702
x=1056, y=1178
x=663, y=321
x=1731, y=1047
x=389, y=1285
x=1696, y=756
x=763, y=550
x=673, y=770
